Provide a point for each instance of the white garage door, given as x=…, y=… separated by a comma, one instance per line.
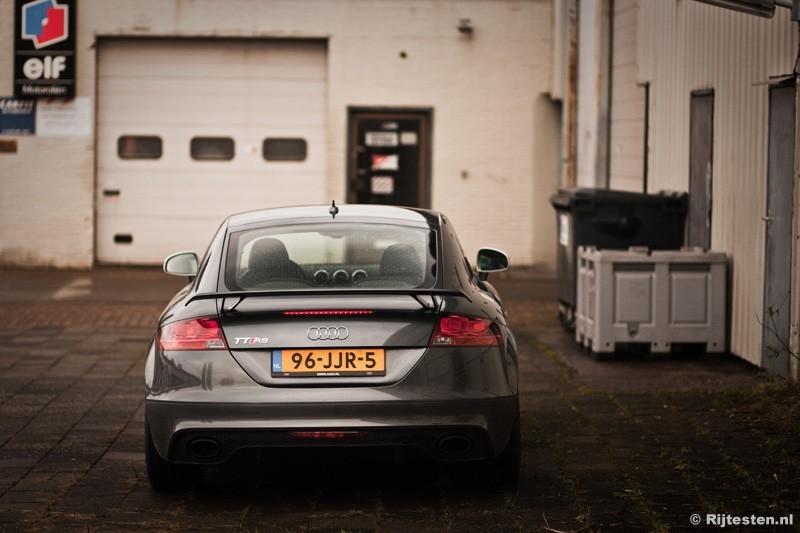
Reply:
x=191, y=131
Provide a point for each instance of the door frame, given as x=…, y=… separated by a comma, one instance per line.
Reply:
x=389, y=113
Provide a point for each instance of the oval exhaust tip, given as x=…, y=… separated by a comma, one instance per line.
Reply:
x=205, y=448
x=455, y=445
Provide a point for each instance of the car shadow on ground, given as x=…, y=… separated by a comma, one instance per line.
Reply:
x=345, y=491
x=345, y=470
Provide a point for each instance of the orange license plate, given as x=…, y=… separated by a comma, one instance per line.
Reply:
x=329, y=363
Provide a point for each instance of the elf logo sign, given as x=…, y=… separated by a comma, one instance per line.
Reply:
x=44, y=58
x=45, y=23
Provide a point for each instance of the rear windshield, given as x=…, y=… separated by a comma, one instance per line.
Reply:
x=329, y=255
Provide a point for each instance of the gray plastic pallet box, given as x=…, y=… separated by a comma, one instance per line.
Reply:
x=658, y=298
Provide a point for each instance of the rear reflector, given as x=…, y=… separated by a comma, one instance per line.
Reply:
x=192, y=334
x=330, y=312
x=326, y=434
x=458, y=330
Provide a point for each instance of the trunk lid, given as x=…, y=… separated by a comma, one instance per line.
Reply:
x=350, y=339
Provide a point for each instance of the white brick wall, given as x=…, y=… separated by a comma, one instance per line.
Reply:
x=483, y=91
x=46, y=203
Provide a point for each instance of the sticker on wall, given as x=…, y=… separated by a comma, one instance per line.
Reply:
x=381, y=138
x=385, y=162
x=64, y=118
x=381, y=185
x=408, y=138
x=563, y=229
x=17, y=117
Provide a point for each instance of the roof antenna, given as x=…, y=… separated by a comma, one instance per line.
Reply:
x=333, y=210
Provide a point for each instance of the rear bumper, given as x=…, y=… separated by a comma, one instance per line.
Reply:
x=203, y=433
x=207, y=397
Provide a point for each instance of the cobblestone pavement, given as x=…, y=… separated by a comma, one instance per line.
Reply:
x=635, y=443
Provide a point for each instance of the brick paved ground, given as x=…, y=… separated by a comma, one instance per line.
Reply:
x=631, y=444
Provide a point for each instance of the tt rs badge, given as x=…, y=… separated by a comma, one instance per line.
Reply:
x=251, y=340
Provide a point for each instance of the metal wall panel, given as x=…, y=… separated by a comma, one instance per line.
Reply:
x=628, y=114
x=690, y=46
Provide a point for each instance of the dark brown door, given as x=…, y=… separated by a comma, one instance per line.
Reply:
x=701, y=159
x=778, y=260
x=389, y=157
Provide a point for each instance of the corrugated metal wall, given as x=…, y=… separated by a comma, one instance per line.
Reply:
x=626, y=148
x=685, y=46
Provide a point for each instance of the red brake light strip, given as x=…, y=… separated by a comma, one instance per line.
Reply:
x=330, y=312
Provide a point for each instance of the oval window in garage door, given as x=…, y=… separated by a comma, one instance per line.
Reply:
x=212, y=148
x=285, y=149
x=139, y=147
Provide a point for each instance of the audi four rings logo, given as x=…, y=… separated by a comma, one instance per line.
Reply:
x=328, y=334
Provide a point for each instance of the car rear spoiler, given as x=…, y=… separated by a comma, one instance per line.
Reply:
x=417, y=294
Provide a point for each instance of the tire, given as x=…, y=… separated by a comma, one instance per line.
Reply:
x=567, y=319
x=165, y=475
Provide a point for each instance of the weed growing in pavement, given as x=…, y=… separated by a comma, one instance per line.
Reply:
x=770, y=411
x=583, y=520
x=635, y=495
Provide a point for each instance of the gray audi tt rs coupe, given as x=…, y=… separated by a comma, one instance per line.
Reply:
x=358, y=327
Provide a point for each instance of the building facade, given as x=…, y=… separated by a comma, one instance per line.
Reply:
x=187, y=111
x=698, y=98
x=183, y=112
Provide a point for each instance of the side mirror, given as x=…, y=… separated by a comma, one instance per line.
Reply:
x=491, y=260
x=182, y=264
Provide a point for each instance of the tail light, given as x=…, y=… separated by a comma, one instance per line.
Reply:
x=458, y=330
x=192, y=334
